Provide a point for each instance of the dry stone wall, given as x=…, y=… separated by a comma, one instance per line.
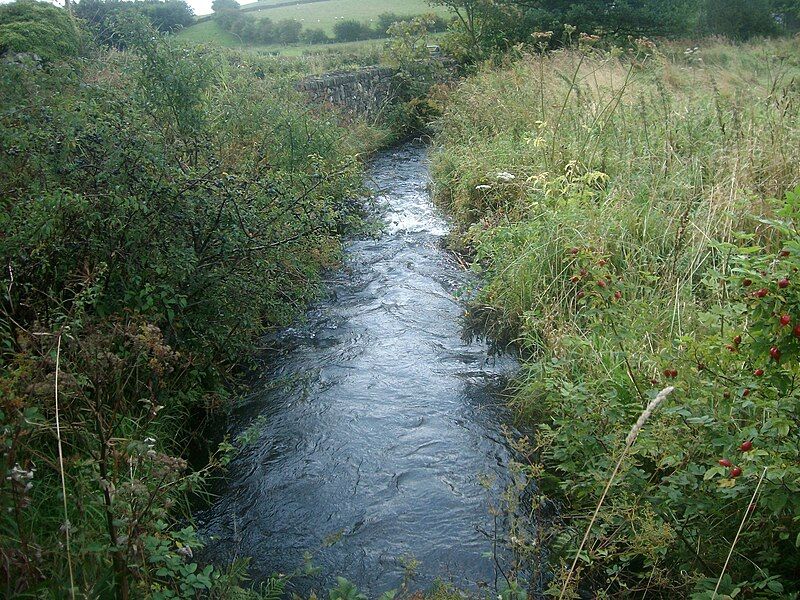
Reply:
x=364, y=92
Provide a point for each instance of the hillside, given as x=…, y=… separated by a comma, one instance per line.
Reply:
x=319, y=15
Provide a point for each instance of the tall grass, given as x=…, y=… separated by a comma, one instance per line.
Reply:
x=597, y=190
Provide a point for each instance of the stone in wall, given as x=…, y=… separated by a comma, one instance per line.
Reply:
x=362, y=93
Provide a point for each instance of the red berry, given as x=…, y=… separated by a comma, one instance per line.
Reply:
x=580, y=294
x=735, y=472
x=573, y=250
x=746, y=392
x=761, y=293
x=725, y=462
x=737, y=340
x=784, y=253
x=671, y=373
x=775, y=353
x=747, y=282
x=584, y=272
x=758, y=372
x=701, y=367
x=746, y=446
x=731, y=347
x=796, y=331
x=726, y=394
x=574, y=279
x=783, y=283
x=601, y=283
x=618, y=295
x=785, y=320
x=602, y=262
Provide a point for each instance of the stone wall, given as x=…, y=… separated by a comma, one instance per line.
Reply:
x=364, y=92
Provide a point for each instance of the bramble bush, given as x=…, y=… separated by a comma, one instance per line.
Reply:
x=161, y=207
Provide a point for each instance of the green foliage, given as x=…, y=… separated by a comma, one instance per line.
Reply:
x=39, y=28
x=222, y=5
x=739, y=19
x=102, y=16
x=350, y=31
x=161, y=208
x=343, y=21
x=345, y=590
x=619, y=207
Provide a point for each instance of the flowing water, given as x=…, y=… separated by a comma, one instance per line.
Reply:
x=375, y=436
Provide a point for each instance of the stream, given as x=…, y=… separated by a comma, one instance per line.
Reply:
x=373, y=438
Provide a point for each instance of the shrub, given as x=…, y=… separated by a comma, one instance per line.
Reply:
x=350, y=31
x=160, y=209
x=39, y=28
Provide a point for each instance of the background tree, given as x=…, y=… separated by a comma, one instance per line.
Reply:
x=287, y=31
x=349, y=30
x=163, y=15
x=613, y=17
x=314, y=36
x=170, y=15
x=739, y=19
x=222, y=5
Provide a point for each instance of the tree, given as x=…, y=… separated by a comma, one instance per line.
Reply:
x=739, y=19
x=482, y=25
x=164, y=15
x=314, y=36
x=386, y=20
x=287, y=31
x=349, y=31
x=265, y=31
x=614, y=17
x=169, y=15
x=222, y=5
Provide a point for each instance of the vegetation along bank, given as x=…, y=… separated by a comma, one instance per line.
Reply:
x=162, y=206
x=634, y=213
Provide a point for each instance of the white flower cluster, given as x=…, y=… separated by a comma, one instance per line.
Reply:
x=22, y=477
x=505, y=177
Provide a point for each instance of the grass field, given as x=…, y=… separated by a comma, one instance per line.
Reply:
x=324, y=15
x=314, y=15
x=209, y=32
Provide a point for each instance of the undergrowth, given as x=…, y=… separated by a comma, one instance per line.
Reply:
x=633, y=212
x=162, y=206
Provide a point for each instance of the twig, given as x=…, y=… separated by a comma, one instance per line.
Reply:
x=61, y=471
x=738, y=533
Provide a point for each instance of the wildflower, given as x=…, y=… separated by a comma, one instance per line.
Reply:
x=505, y=176
x=185, y=551
x=20, y=475
x=542, y=35
x=587, y=38
x=646, y=44
x=483, y=187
